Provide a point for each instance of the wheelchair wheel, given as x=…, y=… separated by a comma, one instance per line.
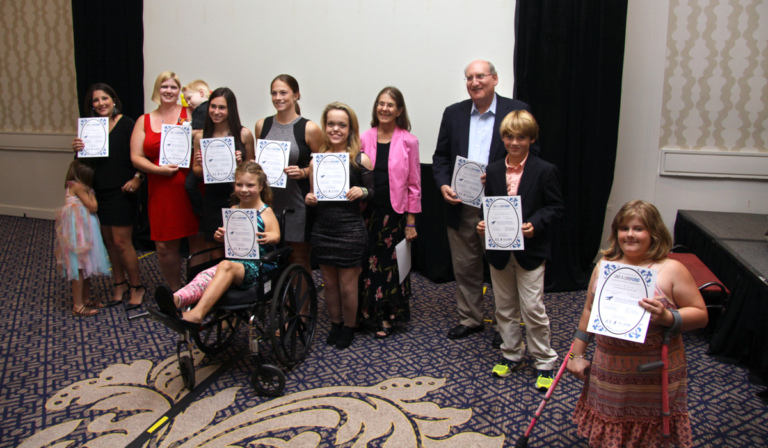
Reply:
x=268, y=381
x=217, y=333
x=292, y=330
x=187, y=369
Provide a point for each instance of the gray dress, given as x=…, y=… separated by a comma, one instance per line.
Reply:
x=299, y=223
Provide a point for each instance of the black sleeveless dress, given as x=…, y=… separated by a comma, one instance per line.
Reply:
x=339, y=236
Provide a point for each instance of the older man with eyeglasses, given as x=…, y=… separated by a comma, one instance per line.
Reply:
x=470, y=129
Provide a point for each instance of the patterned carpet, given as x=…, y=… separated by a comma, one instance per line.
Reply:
x=105, y=381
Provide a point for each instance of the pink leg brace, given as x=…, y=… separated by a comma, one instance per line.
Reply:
x=193, y=291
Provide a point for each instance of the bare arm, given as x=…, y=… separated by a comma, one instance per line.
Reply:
x=271, y=233
x=85, y=195
x=247, y=138
x=579, y=366
x=686, y=296
x=139, y=159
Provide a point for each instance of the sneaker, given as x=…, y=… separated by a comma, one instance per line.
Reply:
x=505, y=368
x=544, y=381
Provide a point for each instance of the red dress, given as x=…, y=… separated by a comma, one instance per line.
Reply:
x=170, y=212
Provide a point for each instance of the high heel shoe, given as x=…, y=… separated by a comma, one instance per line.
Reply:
x=122, y=298
x=132, y=306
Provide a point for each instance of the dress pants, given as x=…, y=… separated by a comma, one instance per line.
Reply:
x=467, y=257
x=519, y=292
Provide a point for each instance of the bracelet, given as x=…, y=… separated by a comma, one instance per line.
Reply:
x=365, y=193
x=584, y=336
x=139, y=175
x=572, y=356
x=410, y=225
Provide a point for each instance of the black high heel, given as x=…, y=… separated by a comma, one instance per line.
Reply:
x=118, y=302
x=130, y=306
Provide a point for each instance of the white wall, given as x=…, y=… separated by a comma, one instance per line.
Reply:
x=638, y=153
x=341, y=50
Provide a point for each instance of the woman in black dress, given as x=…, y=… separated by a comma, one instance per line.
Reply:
x=339, y=237
x=115, y=182
x=223, y=120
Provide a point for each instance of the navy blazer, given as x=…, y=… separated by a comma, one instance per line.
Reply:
x=453, y=140
x=542, y=205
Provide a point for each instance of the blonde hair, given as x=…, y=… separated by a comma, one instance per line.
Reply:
x=353, y=140
x=648, y=214
x=519, y=122
x=161, y=78
x=197, y=85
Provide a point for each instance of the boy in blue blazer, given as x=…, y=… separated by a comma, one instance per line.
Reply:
x=518, y=276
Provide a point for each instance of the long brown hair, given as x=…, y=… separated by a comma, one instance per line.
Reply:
x=254, y=168
x=648, y=214
x=353, y=140
x=81, y=173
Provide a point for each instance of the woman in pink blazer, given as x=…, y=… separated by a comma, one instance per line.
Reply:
x=391, y=214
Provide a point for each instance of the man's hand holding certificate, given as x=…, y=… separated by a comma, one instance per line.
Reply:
x=615, y=310
x=466, y=181
x=175, y=145
x=331, y=176
x=273, y=157
x=219, y=160
x=94, y=132
x=240, y=239
x=503, y=218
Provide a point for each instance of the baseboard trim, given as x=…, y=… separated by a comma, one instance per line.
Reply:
x=28, y=212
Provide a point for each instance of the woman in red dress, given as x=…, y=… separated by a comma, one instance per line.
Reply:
x=170, y=213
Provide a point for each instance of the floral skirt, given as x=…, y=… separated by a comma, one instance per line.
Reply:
x=381, y=294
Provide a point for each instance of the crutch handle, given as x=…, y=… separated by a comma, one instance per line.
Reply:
x=650, y=366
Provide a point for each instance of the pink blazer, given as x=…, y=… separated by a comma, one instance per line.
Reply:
x=404, y=168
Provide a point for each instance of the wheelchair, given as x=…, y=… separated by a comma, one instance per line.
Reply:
x=271, y=310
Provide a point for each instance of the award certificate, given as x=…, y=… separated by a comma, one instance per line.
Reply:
x=615, y=309
x=503, y=223
x=219, y=160
x=331, y=176
x=403, y=252
x=94, y=132
x=273, y=156
x=175, y=144
x=240, y=227
x=466, y=181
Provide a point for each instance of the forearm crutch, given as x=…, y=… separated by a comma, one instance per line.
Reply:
x=669, y=333
x=522, y=442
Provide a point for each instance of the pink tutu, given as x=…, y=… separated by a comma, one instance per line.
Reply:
x=78, y=241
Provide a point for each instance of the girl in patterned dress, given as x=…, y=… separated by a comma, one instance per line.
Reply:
x=619, y=406
x=80, y=251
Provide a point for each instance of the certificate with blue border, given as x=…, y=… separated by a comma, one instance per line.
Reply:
x=219, y=159
x=466, y=181
x=615, y=309
x=503, y=217
x=331, y=176
x=94, y=132
x=273, y=156
x=240, y=227
x=175, y=145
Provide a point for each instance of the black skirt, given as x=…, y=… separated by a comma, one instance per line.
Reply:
x=116, y=208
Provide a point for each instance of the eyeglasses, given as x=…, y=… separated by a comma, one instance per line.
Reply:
x=479, y=77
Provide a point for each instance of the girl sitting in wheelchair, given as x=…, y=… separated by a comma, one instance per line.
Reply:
x=251, y=191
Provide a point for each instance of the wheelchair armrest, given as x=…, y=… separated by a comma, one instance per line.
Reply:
x=277, y=254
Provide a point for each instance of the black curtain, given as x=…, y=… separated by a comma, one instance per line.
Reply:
x=569, y=56
x=109, y=48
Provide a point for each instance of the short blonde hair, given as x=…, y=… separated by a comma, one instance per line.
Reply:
x=519, y=122
x=648, y=214
x=161, y=78
x=197, y=85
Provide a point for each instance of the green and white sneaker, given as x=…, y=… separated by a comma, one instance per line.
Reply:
x=544, y=381
x=505, y=368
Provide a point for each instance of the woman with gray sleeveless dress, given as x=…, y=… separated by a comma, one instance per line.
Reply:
x=305, y=138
